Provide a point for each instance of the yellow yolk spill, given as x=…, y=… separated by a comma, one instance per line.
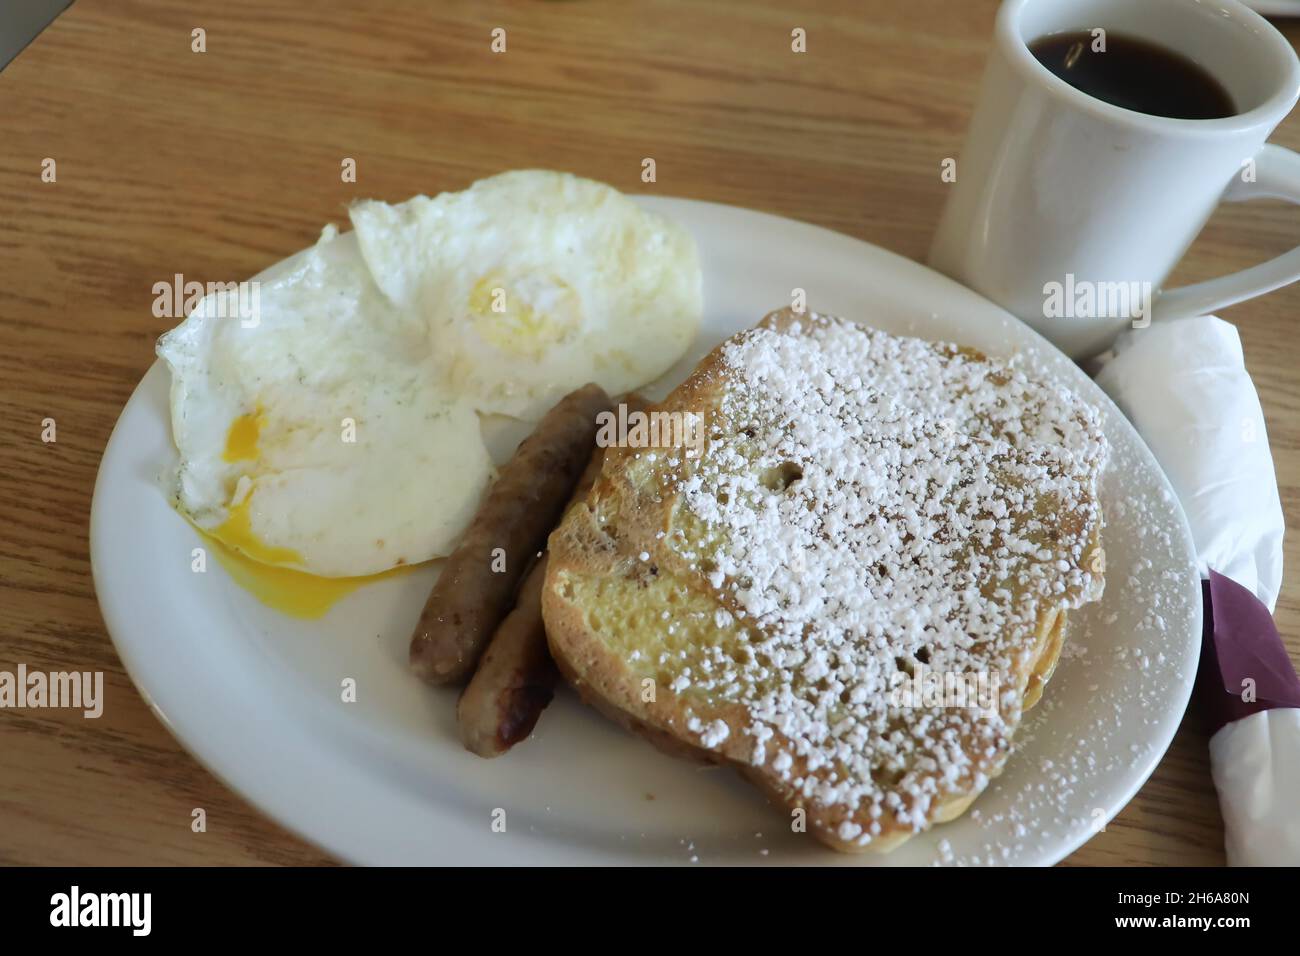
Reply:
x=295, y=593
x=257, y=567
x=236, y=532
x=241, y=440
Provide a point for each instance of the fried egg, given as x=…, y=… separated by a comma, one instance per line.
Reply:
x=533, y=283
x=332, y=432
x=315, y=430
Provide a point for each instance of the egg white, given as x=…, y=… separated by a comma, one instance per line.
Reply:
x=360, y=458
x=339, y=433
x=534, y=283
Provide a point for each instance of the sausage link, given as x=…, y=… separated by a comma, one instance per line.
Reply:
x=516, y=677
x=470, y=598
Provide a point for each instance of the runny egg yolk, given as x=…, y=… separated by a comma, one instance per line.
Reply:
x=241, y=440
x=236, y=532
x=258, y=567
x=295, y=593
x=248, y=561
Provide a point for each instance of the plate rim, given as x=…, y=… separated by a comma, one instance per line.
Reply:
x=267, y=804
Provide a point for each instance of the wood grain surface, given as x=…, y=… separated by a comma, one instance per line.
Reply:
x=216, y=164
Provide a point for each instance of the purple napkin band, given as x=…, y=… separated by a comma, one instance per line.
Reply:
x=1244, y=665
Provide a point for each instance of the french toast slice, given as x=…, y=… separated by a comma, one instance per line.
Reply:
x=852, y=587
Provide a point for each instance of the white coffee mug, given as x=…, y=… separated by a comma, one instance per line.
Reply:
x=1071, y=213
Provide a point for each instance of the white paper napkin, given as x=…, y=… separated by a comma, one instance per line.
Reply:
x=1257, y=772
x=1185, y=387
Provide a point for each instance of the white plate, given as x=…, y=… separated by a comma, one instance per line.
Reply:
x=256, y=695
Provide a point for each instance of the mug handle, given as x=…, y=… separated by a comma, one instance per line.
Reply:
x=1277, y=176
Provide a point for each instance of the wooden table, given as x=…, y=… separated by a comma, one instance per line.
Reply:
x=216, y=164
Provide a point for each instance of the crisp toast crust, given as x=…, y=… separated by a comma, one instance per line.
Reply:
x=668, y=598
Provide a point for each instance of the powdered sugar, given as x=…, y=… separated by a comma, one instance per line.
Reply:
x=885, y=504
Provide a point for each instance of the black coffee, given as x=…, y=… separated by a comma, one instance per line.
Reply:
x=1135, y=74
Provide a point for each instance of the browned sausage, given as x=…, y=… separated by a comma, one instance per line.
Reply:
x=470, y=598
x=516, y=677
